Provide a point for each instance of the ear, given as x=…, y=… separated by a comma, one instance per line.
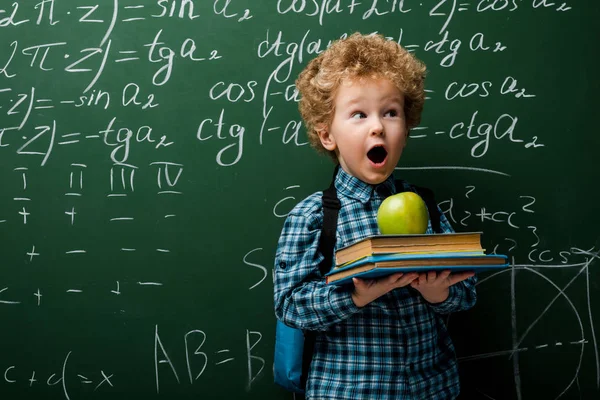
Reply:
x=327, y=140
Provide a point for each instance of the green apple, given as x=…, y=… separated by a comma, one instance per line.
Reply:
x=403, y=213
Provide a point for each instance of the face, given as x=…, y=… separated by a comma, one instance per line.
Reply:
x=368, y=131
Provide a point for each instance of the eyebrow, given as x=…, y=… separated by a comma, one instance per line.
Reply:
x=397, y=99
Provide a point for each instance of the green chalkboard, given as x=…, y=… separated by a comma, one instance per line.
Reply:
x=150, y=150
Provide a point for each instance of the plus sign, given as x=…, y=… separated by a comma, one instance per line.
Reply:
x=32, y=254
x=72, y=214
x=39, y=296
x=32, y=379
x=24, y=213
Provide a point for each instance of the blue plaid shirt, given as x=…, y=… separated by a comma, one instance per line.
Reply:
x=396, y=347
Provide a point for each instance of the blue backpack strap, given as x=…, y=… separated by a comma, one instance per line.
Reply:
x=331, y=207
x=429, y=199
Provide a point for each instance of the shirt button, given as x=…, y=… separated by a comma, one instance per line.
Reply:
x=282, y=265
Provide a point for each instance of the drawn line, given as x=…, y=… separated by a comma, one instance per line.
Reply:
x=169, y=192
x=74, y=291
x=480, y=392
x=150, y=284
x=163, y=250
x=75, y=252
x=6, y=301
x=513, y=331
x=125, y=249
x=110, y=27
x=587, y=282
x=562, y=293
x=122, y=219
x=127, y=59
x=169, y=215
x=224, y=361
x=452, y=167
x=582, y=341
x=158, y=163
x=9, y=302
x=523, y=266
x=21, y=199
x=488, y=355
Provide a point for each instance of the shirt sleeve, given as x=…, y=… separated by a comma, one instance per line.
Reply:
x=302, y=298
x=462, y=296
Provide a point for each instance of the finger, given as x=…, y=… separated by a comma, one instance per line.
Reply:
x=422, y=279
x=412, y=276
x=394, y=278
x=361, y=283
x=444, y=274
x=431, y=275
x=459, y=277
x=409, y=278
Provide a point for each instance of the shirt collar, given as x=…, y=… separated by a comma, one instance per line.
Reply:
x=354, y=188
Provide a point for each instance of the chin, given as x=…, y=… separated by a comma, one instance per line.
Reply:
x=376, y=179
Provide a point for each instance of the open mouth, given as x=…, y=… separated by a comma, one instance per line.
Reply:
x=377, y=154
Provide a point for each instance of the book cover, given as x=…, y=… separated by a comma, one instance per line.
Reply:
x=381, y=244
x=382, y=265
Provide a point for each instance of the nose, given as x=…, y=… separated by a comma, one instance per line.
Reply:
x=376, y=128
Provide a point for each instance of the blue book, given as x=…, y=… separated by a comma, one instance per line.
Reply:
x=376, y=266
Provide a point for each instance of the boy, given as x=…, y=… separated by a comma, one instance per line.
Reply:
x=385, y=338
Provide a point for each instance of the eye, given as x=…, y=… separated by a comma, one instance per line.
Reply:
x=358, y=115
x=391, y=113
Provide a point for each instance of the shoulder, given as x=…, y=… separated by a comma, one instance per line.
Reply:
x=302, y=226
x=309, y=209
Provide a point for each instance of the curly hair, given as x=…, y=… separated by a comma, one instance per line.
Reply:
x=355, y=57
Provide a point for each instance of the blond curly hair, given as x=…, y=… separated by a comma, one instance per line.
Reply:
x=355, y=57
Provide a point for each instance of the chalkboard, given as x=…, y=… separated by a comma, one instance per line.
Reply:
x=150, y=150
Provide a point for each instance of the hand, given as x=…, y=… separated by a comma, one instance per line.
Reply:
x=367, y=290
x=434, y=286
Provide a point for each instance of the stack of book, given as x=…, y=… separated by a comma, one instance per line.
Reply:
x=381, y=255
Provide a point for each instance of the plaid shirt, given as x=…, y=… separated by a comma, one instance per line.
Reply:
x=396, y=347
